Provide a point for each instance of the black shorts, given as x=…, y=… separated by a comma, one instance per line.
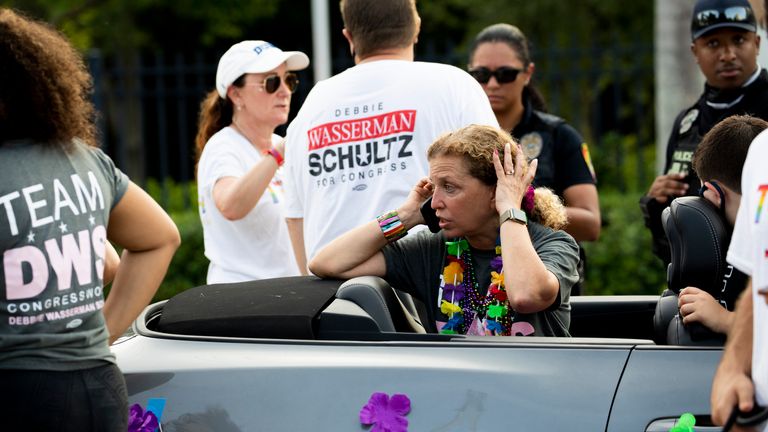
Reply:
x=83, y=400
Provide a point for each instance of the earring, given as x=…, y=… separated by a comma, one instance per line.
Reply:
x=239, y=107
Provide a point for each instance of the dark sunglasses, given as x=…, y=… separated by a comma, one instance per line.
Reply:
x=272, y=82
x=503, y=74
x=734, y=14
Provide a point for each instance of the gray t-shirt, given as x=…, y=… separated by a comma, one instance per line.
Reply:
x=54, y=208
x=415, y=263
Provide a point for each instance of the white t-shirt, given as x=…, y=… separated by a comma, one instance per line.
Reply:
x=748, y=252
x=358, y=145
x=256, y=246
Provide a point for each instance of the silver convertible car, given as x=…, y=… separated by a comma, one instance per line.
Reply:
x=304, y=354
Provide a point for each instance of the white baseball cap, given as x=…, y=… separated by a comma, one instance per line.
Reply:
x=254, y=57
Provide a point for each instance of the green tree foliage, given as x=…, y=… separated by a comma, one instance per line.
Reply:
x=112, y=25
x=586, y=53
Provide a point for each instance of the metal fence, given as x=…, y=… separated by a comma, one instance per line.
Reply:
x=149, y=105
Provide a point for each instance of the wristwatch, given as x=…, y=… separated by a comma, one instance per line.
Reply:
x=514, y=214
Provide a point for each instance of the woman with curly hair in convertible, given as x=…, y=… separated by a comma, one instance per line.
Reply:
x=500, y=264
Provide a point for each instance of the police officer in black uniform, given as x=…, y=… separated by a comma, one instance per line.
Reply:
x=725, y=44
x=499, y=60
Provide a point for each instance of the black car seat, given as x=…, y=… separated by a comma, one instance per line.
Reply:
x=379, y=300
x=698, y=239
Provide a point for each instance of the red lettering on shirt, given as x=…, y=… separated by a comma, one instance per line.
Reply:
x=362, y=129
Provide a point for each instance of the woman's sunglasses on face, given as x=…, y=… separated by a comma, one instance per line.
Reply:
x=503, y=74
x=272, y=82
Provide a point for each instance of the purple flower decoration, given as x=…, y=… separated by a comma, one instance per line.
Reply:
x=385, y=414
x=497, y=264
x=140, y=420
x=452, y=293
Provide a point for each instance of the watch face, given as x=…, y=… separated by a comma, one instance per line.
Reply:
x=514, y=214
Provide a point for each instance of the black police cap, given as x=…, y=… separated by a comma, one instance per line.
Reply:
x=710, y=15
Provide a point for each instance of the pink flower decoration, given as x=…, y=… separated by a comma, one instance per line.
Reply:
x=140, y=420
x=385, y=414
x=528, y=199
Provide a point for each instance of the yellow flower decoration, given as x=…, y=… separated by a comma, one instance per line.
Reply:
x=453, y=273
x=449, y=308
x=497, y=279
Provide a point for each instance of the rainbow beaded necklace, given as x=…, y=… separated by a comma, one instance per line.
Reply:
x=461, y=299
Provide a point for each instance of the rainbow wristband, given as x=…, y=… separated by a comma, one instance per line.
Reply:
x=275, y=154
x=391, y=226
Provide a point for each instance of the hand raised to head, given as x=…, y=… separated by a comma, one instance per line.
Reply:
x=513, y=176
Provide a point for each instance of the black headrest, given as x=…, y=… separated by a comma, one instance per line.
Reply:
x=698, y=239
x=378, y=299
x=282, y=308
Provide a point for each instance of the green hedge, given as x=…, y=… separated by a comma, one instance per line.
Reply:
x=189, y=265
x=621, y=262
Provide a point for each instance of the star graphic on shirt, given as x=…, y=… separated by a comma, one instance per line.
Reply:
x=91, y=220
x=30, y=237
x=63, y=227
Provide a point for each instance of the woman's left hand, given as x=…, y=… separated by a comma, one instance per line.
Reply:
x=512, y=178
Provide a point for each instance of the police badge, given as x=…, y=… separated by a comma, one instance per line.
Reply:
x=532, y=144
x=687, y=122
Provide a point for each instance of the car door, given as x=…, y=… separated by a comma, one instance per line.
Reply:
x=660, y=383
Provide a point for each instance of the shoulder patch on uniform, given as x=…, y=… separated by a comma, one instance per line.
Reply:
x=687, y=122
x=532, y=144
x=588, y=160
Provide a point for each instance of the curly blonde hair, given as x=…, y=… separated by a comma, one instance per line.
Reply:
x=44, y=85
x=476, y=143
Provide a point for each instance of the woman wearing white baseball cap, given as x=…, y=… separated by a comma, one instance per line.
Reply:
x=239, y=157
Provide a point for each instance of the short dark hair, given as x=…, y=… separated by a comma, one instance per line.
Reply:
x=380, y=24
x=720, y=155
x=44, y=84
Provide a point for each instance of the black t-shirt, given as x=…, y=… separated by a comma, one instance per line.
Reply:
x=733, y=284
x=416, y=262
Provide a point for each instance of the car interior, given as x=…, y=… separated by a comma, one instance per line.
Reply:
x=698, y=238
x=369, y=309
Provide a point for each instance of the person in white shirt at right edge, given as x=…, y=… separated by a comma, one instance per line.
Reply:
x=742, y=376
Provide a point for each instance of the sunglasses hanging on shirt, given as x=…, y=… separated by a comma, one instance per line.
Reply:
x=503, y=74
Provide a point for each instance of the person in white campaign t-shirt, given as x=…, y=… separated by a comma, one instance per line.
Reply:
x=743, y=372
x=239, y=180
x=358, y=144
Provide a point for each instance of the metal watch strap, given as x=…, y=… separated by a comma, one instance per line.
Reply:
x=514, y=214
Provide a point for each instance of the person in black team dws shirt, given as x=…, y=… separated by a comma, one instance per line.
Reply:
x=725, y=46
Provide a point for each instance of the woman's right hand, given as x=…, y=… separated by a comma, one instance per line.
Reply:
x=410, y=211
